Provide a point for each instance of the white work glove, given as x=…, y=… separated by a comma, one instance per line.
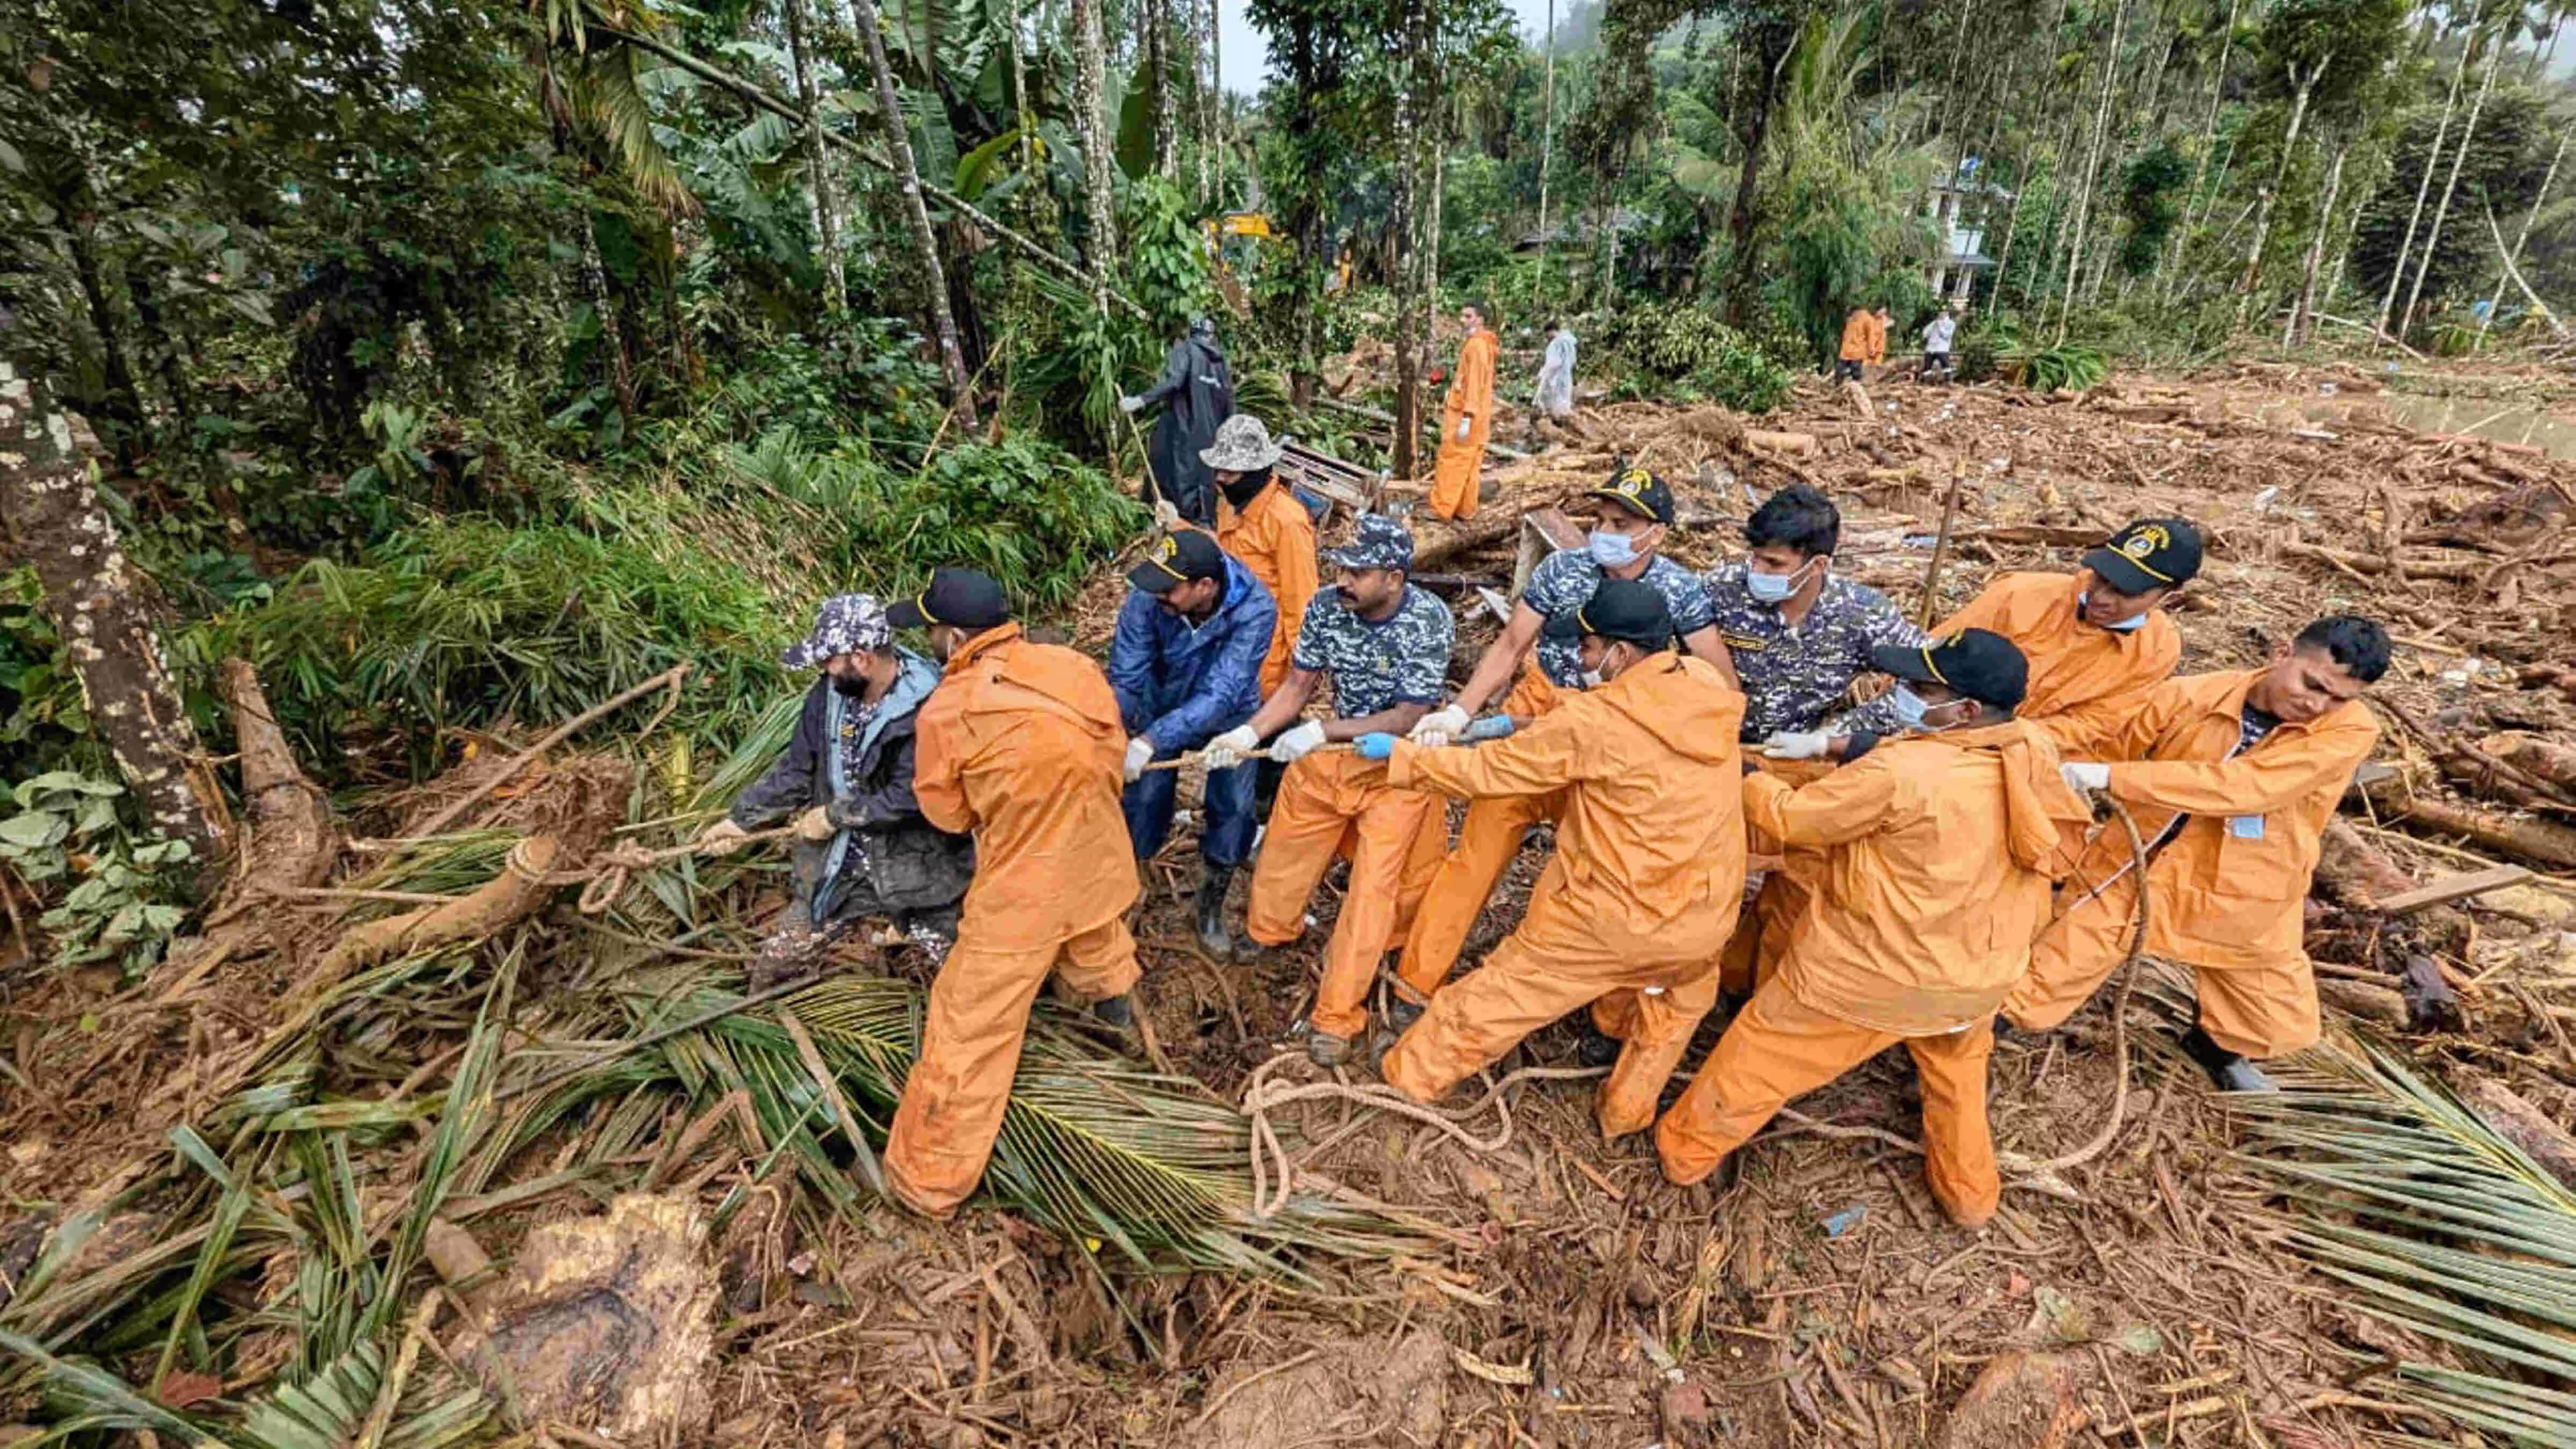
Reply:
x=1465, y=426
x=816, y=825
x=1227, y=750
x=1796, y=745
x=1130, y=403
x=1297, y=742
x=722, y=838
x=2086, y=779
x=1439, y=727
x=1140, y=752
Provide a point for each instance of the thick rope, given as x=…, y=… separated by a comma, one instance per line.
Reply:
x=603, y=883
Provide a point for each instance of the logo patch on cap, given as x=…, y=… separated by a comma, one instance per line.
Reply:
x=2144, y=543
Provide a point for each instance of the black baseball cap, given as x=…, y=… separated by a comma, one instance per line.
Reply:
x=1978, y=663
x=1178, y=557
x=1638, y=491
x=2152, y=553
x=1620, y=609
x=960, y=597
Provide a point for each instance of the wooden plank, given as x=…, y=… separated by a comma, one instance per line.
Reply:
x=2453, y=888
x=1543, y=531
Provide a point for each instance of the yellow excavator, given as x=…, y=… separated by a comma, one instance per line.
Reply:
x=1234, y=242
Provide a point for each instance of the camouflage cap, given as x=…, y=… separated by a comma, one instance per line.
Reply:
x=1380, y=543
x=846, y=624
x=1242, y=445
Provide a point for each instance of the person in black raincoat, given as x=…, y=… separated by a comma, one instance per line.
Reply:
x=1197, y=393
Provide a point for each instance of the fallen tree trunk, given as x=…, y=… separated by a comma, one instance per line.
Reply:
x=291, y=838
x=2547, y=759
x=2536, y=841
x=2525, y=1126
x=2353, y=872
x=1801, y=445
x=516, y=891
x=2450, y=570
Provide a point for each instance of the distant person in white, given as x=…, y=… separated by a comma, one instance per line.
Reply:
x=1556, y=375
x=1936, y=342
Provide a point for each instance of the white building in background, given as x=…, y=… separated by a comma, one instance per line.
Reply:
x=1959, y=207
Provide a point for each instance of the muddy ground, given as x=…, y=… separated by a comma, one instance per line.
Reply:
x=1563, y=1294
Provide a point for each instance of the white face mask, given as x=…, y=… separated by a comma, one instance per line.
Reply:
x=1611, y=549
x=1910, y=710
x=2125, y=626
x=1592, y=679
x=1774, y=588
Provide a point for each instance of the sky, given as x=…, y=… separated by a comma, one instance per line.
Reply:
x=1245, y=58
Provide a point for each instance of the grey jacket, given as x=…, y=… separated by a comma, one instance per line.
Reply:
x=908, y=863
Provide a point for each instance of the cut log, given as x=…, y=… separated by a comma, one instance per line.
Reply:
x=2525, y=1126
x=2379, y=1005
x=516, y=891
x=2535, y=755
x=291, y=840
x=2353, y=872
x=2537, y=841
x=1801, y=445
x=2452, y=570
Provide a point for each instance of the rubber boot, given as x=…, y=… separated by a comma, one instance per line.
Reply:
x=1212, y=938
x=1598, y=1048
x=1115, y=1012
x=2231, y=1072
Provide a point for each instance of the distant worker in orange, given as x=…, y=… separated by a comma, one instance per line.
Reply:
x=1466, y=421
x=1021, y=745
x=2232, y=777
x=1386, y=643
x=1649, y=868
x=2096, y=641
x=1864, y=342
x=1940, y=849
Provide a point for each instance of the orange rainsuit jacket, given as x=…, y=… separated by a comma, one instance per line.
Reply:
x=1021, y=745
x=1275, y=539
x=1462, y=461
x=1864, y=337
x=1639, y=898
x=1939, y=852
x=2229, y=888
x=2084, y=681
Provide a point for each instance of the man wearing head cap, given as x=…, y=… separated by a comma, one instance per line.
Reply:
x=2232, y=777
x=1633, y=512
x=1021, y=745
x=863, y=848
x=1385, y=644
x=1186, y=666
x=1196, y=391
x=1649, y=870
x=2096, y=641
x=1940, y=849
x=1261, y=523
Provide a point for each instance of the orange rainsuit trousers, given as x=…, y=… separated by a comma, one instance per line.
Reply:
x=1779, y=1048
x=1488, y=839
x=1337, y=803
x=2255, y=1010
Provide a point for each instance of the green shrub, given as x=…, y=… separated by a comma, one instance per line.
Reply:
x=1689, y=345
x=2068, y=366
x=123, y=908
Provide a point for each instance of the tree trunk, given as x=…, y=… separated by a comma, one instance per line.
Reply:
x=2515, y=258
x=1546, y=145
x=1407, y=228
x=2193, y=204
x=52, y=519
x=1216, y=103
x=1431, y=232
x=2272, y=194
x=1091, y=128
x=1158, y=58
x=925, y=243
x=2092, y=171
x=1027, y=121
x=118, y=414
x=818, y=159
x=2304, y=309
x=2433, y=236
x=1743, y=278
x=2423, y=189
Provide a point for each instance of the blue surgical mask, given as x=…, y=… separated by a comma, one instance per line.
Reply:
x=1611, y=549
x=1909, y=707
x=1774, y=588
x=2125, y=626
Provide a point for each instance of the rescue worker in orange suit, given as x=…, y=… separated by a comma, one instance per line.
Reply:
x=1260, y=522
x=1635, y=512
x=1466, y=421
x=2232, y=777
x=1021, y=745
x=1940, y=850
x=1864, y=343
x=2095, y=641
x=1386, y=645
x=1649, y=866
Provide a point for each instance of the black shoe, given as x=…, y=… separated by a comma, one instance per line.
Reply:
x=1599, y=1048
x=1326, y=1050
x=1402, y=1014
x=1211, y=938
x=2231, y=1072
x=1118, y=1012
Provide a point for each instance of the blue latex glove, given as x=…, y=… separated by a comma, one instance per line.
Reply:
x=1491, y=727
x=1376, y=747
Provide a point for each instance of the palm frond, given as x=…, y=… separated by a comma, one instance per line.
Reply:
x=2442, y=1226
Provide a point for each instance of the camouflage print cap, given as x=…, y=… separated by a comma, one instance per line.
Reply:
x=846, y=624
x=1380, y=543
